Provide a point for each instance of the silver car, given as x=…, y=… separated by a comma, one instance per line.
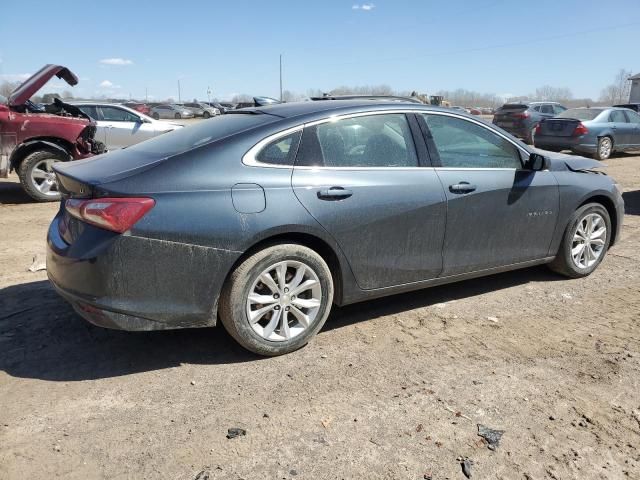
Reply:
x=118, y=126
x=595, y=131
x=171, y=111
x=202, y=109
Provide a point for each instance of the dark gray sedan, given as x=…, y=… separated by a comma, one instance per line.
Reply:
x=265, y=217
x=595, y=131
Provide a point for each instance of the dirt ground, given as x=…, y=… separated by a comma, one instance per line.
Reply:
x=393, y=388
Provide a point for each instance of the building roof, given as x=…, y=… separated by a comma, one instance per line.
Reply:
x=635, y=77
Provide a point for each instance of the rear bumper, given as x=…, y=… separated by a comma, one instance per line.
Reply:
x=135, y=283
x=576, y=144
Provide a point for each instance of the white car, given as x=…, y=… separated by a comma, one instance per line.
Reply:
x=119, y=126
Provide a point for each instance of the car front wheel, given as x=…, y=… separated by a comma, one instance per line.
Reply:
x=277, y=299
x=585, y=242
x=156, y=115
x=177, y=116
x=37, y=176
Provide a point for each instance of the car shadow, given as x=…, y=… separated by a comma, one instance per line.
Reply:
x=631, y=202
x=12, y=193
x=42, y=337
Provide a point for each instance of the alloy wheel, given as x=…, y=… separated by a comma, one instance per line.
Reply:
x=284, y=300
x=604, y=147
x=589, y=240
x=43, y=178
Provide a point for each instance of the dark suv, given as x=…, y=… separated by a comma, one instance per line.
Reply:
x=521, y=119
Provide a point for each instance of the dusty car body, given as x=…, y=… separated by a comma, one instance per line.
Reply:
x=32, y=139
x=264, y=217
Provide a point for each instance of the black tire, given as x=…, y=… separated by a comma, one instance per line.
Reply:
x=233, y=299
x=601, y=153
x=177, y=116
x=156, y=115
x=27, y=167
x=206, y=114
x=564, y=263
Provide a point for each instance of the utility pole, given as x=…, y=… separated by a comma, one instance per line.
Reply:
x=179, y=99
x=209, y=94
x=280, y=77
x=146, y=95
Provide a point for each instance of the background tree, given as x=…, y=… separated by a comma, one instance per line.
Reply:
x=618, y=91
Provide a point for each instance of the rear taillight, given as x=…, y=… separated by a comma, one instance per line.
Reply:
x=580, y=130
x=538, y=129
x=521, y=115
x=115, y=214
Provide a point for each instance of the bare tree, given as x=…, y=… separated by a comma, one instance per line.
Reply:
x=618, y=91
x=242, y=98
x=553, y=94
x=7, y=87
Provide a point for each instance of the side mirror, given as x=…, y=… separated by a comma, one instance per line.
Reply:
x=537, y=162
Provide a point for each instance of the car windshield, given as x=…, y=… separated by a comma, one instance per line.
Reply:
x=581, y=113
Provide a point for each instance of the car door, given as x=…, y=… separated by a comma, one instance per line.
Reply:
x=92, y=111
x=622, y=129
x=634, y=121
x=498, y=213
x=124, y=128
x=360, y=177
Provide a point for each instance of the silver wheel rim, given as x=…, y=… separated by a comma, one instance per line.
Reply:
x=43, y=178
x=588, y=240
x=284, y=301
x=605, y=148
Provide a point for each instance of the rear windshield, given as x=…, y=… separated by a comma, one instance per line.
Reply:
x=206, y=131
x=513, y=106
x=581, y=113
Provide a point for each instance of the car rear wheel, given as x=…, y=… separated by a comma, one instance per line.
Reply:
x=585, y=242
x=605, y=148
x=37, y=176
x=156, y=115
x=277, y=299
x=177, y=116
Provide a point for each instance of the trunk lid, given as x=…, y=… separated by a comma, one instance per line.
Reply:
x=558, y=127
x=510, y=115
x=34, y=83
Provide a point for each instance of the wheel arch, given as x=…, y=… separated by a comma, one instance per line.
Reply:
x=609, y=205
x=41, y=143
x=314, y=242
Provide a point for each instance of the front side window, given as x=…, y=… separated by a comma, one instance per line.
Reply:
x=464, y=144
x=369, y=141
x=113, y=114
x=558, y=109
x=546, y=109
x=632, y=116
x=281, y=151
x=89, y=110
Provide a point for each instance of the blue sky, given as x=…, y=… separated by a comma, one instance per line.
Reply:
x=124, y=47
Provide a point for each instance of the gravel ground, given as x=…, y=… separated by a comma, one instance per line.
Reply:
x=392, y=388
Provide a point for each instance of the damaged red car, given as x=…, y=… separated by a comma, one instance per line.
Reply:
x=34, y=137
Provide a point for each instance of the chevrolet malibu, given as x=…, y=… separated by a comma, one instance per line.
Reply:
x=264, y=218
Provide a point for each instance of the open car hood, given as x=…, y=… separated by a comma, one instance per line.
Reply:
x=34, y=83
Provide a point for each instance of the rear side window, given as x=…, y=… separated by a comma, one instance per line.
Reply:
x=536, y=108
x=464, y=144
x=281, y=151
x=633, y=117
x=558, y=109
x=546, y=109
x=90, y=110
x=369, y=141
x=114, y=114
x=617, y=116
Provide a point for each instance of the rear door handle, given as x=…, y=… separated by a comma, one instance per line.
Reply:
x=462, y=187
x=334, y=193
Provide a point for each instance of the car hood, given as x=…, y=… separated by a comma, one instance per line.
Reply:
x=34, y=83
x=562, y=161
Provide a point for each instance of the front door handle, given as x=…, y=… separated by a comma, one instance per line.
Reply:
x=334, y=193
x=462, y=187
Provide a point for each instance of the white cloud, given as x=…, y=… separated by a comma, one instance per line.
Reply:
x=15, y=77
x=367, y=7
x=108, y=84
x=116, y=61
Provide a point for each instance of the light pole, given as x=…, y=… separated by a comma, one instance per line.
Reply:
x=179, y=99
x=209, y=94
x=280, y=77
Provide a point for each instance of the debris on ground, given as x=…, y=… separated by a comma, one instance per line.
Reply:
x=39, y=263
x=490, y=435
x=493, y=319
x=203, y=475
x=236, y=432
x=466, y=465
